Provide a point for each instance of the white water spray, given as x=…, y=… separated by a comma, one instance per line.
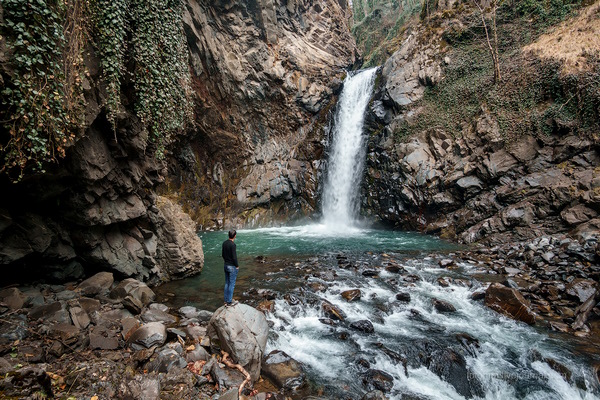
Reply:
x=346, y=161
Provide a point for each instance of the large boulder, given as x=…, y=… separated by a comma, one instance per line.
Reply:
x=285, y=372
x=510, y=302
x=242, y=332
x=148, y=335
x=96, y=284
x=134, y=288
x=452, y=367
x=379, y=380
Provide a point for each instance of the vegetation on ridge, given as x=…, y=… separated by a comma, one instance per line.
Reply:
x=535, y=96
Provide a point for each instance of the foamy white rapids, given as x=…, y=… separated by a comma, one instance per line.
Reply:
x=502, y=361
x=347, y=153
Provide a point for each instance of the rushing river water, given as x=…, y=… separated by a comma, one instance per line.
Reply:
x=504, y=359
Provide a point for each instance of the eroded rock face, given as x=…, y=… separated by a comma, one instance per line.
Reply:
x=475, y=185
x=473, y=188
x=267, y=72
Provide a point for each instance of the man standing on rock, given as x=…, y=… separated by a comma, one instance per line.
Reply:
x=231, y=267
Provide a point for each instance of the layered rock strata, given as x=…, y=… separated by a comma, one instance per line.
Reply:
x=266, y=74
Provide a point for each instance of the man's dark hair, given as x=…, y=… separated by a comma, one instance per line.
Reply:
x=232, y=233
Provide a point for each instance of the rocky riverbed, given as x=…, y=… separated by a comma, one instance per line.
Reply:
x=101, y=339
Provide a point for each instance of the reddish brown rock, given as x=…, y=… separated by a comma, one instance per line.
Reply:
x=332, y=311
x=351, y=295
x=509, y=302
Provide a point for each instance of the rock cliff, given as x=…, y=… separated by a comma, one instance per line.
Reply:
x=266, y=73
x=97, y=211
x=97, y=208
x=452, y=153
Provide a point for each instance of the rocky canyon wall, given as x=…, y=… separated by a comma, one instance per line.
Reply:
x=455, y=154
x=96, y=208
x=266, y=73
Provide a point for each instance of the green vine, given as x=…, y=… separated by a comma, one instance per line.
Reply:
x=162, y=78
x=110, y=19
x=35, y=118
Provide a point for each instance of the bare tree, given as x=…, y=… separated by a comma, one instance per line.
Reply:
x=493, y=41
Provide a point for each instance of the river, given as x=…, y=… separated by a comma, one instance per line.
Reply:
x=393, y=337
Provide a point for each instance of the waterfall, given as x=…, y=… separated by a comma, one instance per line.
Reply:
x=347, y=154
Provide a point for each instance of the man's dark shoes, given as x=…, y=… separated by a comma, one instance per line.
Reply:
x=233, y=303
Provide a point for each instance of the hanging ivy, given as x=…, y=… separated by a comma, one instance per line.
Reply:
x=42, y=98
x=35, y=121
x=161, y=74
x=110, y=20
x=162, y=78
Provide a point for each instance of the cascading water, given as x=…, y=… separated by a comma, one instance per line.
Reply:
x=347, y=155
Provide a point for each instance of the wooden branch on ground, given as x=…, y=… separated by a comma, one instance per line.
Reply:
x=231, y=364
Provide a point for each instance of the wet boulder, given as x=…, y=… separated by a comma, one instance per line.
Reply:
x=452, y=368
x=371, y=273
x=351, y=295
x=148, y=335
x=285, y=372
x=403, y=296
x=478, y=295
x=332, y=312
x=443, y=306
x=395, y=269
x=242, y=332
x=378, y=380
x=509, y=302
x=363, y=325
x=291, y=299
x=97, y=284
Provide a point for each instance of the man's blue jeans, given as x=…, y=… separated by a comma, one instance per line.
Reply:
x=230, y=276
